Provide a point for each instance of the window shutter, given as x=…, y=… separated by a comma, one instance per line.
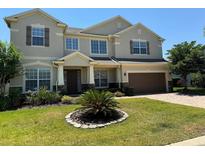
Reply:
x=131, y=46
x=47, y=37
x=148, y=52
x=28, y=35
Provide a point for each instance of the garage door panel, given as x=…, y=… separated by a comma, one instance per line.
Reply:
x=147, y=82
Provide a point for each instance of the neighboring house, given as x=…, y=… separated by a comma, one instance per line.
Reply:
x=111, y=54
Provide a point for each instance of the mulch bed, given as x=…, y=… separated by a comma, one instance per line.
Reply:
x=86, y=117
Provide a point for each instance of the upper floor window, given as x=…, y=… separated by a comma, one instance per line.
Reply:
x=38, y=36
x=98, y=47
x=139, y=47
x=72, y=44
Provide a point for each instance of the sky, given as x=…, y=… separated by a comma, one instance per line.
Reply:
x=175, y=25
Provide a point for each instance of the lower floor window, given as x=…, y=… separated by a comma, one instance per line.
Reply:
x=36, y=78
x=101, y=79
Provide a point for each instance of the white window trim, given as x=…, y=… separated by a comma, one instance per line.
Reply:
x=102, y=87
x=139, y=40
x=38, y=79
x=99, y=54
x=37, y=26
x=72, y=47
x=38, y=64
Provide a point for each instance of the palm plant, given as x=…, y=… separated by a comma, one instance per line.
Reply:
x=98, y=102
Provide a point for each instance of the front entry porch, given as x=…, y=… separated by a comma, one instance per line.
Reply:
x=80, y=73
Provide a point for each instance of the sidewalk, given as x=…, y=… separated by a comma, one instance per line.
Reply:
x=199, y=141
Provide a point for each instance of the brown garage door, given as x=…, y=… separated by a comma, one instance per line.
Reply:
x=147, y=82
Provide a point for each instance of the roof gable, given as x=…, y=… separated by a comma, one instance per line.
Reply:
x=108, y=26
x=15, y=17
x=137, y=25
x=77, y=53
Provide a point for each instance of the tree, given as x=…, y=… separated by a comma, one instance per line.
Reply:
x=186, y=58
x=10, y=64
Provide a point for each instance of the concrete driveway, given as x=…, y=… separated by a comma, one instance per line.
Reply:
x=195, y=100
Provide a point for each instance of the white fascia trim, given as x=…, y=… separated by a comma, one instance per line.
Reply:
x=39, y=58
x=137, y=63
x=37, y=63
x=147, y=71
x=88, y=35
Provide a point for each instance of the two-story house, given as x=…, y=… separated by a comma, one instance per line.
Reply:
x=113, y=53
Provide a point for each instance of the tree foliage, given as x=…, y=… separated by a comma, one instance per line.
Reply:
x=186, y=58
x=10, y=64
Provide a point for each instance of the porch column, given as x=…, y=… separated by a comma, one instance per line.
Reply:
x=118, y=76
x=60, y=75
x=91, y=75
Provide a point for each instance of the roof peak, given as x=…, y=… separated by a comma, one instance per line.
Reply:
x=31, y=11
x=106, y=21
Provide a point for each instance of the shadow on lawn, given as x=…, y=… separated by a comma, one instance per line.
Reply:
x=191, y=91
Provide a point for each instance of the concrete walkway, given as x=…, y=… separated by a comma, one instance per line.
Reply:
x=192, y=142
x=195, y=101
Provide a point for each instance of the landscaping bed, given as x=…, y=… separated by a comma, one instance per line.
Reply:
x=86, y=119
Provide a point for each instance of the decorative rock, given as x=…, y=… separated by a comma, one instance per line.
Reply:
x=91, y=126
x=85, y=126
x=100, y=125
x=77, y=125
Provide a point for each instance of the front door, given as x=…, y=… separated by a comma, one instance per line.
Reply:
x=72, y=81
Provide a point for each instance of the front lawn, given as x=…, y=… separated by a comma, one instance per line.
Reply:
x=150, y=122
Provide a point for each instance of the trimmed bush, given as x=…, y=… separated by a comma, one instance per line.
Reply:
x=119, y=94
x=42, y=97
x=4, y=103
x=66, y=99
x=12, y=101
x=100, y=103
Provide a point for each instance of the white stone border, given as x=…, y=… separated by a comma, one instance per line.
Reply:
x=78, y=125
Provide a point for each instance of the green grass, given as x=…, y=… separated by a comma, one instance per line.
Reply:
x=150, y=122
x=190, y=91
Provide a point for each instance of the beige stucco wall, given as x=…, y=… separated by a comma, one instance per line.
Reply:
x=122, y=48
x=109, y=27
x=18, y=36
